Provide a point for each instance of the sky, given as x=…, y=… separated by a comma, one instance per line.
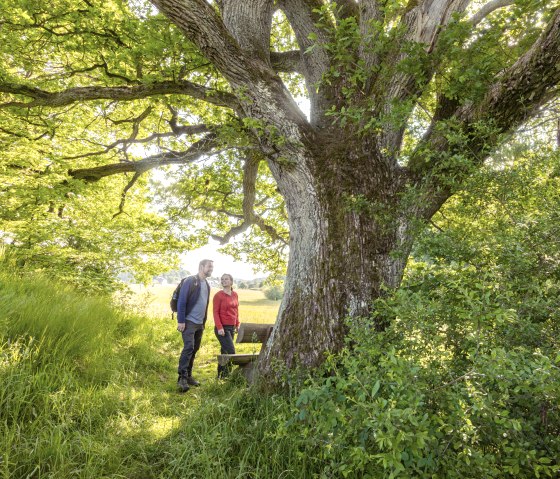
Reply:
x=222, y=263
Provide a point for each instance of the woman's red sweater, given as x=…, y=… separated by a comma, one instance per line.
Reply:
x=225, y=309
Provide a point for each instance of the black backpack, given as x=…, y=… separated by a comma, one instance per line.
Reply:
x=175, y=295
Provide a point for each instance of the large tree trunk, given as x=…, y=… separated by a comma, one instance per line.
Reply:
x=348, y=238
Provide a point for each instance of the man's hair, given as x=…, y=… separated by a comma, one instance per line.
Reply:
x=204, y=262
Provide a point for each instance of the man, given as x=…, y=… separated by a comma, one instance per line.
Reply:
x=192, y=309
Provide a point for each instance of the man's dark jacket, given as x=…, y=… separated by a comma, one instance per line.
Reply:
x=188, y=296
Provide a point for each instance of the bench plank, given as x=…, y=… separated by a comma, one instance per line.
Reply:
x=239, y=359
x=248, y=333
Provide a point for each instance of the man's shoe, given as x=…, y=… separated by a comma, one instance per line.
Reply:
x=192, y=381
x=183, y=384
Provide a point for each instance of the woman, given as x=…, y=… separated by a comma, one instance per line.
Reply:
x=226, y=319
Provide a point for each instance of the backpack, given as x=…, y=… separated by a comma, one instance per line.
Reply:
x=175, y=295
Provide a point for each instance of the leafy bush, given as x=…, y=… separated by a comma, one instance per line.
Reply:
x=459, y=385
x=274, y=292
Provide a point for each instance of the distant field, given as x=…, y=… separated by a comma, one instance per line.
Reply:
x=253, y=305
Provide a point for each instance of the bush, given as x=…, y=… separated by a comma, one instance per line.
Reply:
x=274, y=293
x=457, y=386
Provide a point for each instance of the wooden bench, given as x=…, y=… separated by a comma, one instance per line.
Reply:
x=248, y=333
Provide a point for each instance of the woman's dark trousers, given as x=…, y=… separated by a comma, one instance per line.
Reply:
x=226, y=347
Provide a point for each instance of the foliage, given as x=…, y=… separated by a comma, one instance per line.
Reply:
x=427, y=403
x=47, y=217
x=71, y=233
x=206, y=200
x=462, y=383
x=95, y=87
x=513, y=243
x=274, y=292
x=115, y=46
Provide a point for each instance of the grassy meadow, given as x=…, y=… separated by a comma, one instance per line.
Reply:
x=253, y=305
x=89, y=390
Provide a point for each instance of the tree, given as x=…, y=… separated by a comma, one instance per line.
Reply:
x=274, y=292
x=77, y=234
x=406, y=99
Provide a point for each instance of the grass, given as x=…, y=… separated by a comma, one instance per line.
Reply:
x=89, y=391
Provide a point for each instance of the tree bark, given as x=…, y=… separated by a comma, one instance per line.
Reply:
x=349, y=238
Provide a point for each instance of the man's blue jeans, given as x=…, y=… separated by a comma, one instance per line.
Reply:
x=192, y=335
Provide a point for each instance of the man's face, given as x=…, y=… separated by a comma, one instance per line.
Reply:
x=207, y=269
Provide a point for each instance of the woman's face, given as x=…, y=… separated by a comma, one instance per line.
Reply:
x=226, y=280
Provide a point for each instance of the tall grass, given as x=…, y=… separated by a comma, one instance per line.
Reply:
x=69, y=369
x=88, y=391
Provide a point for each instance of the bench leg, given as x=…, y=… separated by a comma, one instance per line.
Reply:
x=248, y=371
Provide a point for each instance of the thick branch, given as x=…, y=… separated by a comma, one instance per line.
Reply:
x=250, y=24
x=195, y=152
x=423, y=23
x=286, y=62
x=123, y=93
x=263, y=95
x=488, y=9
x=236, y=230
x=303, y=18
x=371, y=19
x=525, y=86
x=200, y=23
x=515, y=97
x=250, y=171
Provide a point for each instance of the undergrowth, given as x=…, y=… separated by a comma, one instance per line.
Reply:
x=458, y=385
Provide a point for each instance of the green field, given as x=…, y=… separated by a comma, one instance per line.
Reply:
x=253, y=305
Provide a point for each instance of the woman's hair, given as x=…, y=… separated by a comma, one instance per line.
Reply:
x=230, y=278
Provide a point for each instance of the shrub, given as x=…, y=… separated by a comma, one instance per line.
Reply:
x=274, y=293
x=458, y=385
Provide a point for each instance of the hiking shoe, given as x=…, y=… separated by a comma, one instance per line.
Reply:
x=183, y=384
x=192, y=381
